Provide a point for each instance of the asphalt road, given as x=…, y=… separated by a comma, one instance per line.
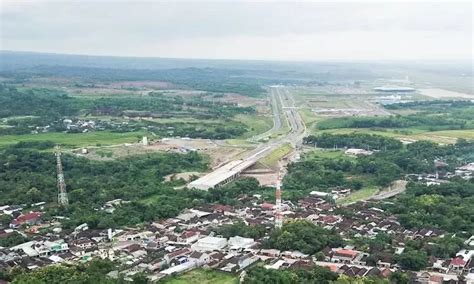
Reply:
x=283, y=107
x=277, y=117
x=284, y=104
x=286, y=108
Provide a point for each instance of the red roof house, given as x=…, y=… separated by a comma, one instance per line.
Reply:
x=457, y=263
x=31, y=218
x=267, y=206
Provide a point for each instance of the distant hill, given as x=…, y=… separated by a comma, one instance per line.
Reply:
x=244, y=75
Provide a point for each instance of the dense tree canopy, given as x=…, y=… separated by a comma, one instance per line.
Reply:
x=317, y=275
x=241, y=229
x=354, y=140
x=92, y=272
x=412, y=260
x=447, y=206
x=380, y=169
x=303, y=236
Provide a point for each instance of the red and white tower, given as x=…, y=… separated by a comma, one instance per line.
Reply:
x=62, y=194
x=278, y=214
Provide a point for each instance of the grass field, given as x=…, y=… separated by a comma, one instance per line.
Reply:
x=203, y=276
x=71, y=140
x=272, y=159
x=157, y=120
x=324, y=153
x=257, y=124
x=362, y=194
x=444, y=136
x=310, y=118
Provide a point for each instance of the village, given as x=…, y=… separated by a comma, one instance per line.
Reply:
x=189, y=241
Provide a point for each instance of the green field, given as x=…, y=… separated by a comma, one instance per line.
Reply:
x=324, y=153
x=256, y=124
x=72, y=140
x=359, y=195
x=310, y=118
x=203, y=276
x=277, y=154
x=444, y=136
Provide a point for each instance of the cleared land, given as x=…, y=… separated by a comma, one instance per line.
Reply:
x=442, y=93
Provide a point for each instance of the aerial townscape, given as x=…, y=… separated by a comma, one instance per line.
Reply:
x=127, y=169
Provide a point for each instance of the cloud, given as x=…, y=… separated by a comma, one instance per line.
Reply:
x=241, y=30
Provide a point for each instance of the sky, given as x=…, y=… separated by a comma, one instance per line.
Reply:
x=335, y=30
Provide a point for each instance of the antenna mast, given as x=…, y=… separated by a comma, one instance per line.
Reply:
x=62, y=194
x=279, y=215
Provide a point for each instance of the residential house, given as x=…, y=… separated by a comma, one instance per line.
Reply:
x=457, y=264
x=83, y=243
x=31, y=218
x=201, y=258
x=189, y=237
x=344, y=255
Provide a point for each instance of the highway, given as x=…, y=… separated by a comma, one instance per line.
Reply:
x=283, y=107
x=277, y=117
x=296, y=123
x=286, y=109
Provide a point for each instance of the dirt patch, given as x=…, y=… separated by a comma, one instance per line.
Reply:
x=240, y=100
x=267, y=179
x=218, y=154
x=186, y=176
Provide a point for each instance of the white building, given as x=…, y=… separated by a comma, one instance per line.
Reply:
x=209, y=244
x=43, y=248
x=357, y=152
x=319, y=193
x=237, y=243
x=394, y=89
x=465, y=254
x=180, y=268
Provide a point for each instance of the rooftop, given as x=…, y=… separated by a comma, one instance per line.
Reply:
x=221, y=174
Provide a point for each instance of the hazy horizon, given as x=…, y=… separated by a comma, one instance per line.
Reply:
x=352, y=31
x=402, y=61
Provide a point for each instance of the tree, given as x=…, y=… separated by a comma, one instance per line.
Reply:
x=139, y=278
x=304, y=236
x=92, y=272
x=52, y=274
x=5, y=219
x=12, y=239
x=316, y=275
x=33, y=195
x=412, y=260
x=398, y=277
